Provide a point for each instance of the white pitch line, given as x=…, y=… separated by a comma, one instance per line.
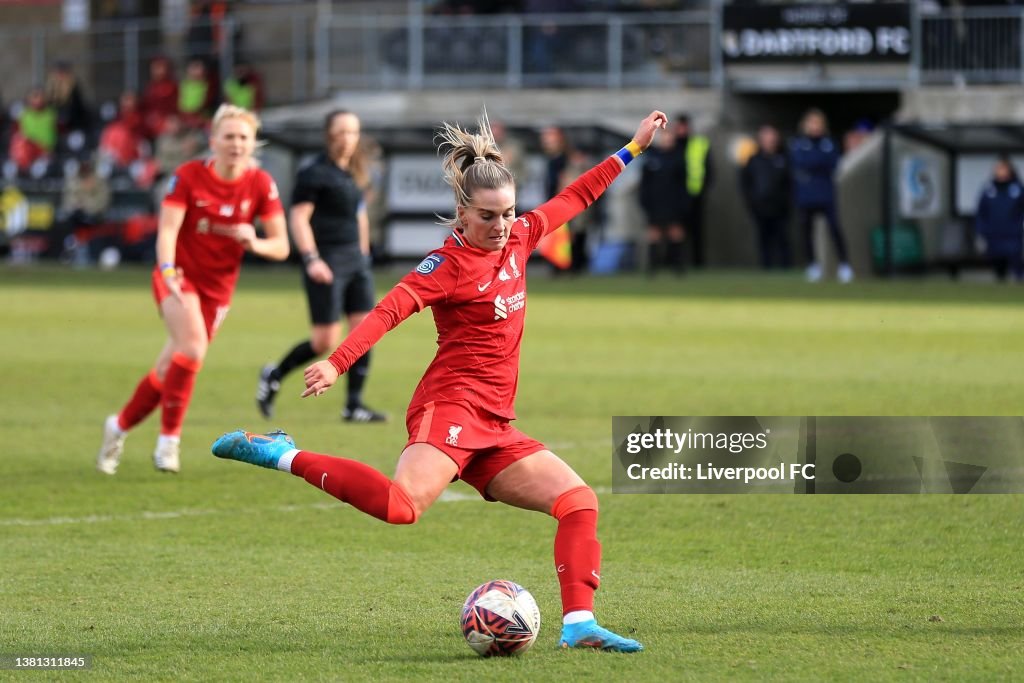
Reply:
x=148, y=516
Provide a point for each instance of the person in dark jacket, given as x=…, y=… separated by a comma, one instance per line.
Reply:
x=766, y=185
x=1000, y=220
x=661, y=181
x=564, y=164
x=813, y=157
x=699, y=174
x=64, y=93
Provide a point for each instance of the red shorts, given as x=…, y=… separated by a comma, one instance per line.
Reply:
x=213, y=311
x=481, y=444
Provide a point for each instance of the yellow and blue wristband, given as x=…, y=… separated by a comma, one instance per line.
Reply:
x=629, y=152
x=168, y=270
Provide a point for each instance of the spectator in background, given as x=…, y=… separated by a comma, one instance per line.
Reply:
x=160, y=98
x=858, y=135
x=244, y=88
x=663, y=174
x=582, y=223
x=65, y=95
x=512, y=150
x=196, y=96
x=813, y=157
x=695, y=152
x=211, y=32
x=86, y=196
x=123, y=139
x=176, y=145
x=204, y=31
x=767, y=191
x=555, y=148
x=35, y=134
x=543, y=40
x=564, y=164
x=999, y=219
x=373, y=196
x=84, y=202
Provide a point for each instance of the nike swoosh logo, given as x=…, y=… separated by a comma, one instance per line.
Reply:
x=484, y=286
x=595, y=574
x=560, y=568
x=323, y=480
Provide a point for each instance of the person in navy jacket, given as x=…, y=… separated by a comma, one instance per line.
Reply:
x=999, y=221
x=814, y=157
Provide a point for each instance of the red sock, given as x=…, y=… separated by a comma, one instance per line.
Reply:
x=143, y=402
x=577, y=550
x=359, y=485
x=178, y=385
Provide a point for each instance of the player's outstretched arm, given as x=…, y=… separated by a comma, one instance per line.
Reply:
x=585, y=190
x=395, y=307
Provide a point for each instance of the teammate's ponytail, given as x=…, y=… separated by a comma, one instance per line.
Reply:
x=472, y=161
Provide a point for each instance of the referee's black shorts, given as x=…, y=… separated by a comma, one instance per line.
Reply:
x=350, y=292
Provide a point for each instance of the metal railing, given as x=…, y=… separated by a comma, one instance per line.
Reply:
x=979, y=45
x=515, y=51
x=302, y=54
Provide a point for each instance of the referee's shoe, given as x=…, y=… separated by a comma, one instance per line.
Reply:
x=361, y=413
x=266, y=390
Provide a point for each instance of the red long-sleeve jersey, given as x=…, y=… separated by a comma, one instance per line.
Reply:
x=478, y=299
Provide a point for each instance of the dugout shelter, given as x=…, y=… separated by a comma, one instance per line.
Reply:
x=932, y=176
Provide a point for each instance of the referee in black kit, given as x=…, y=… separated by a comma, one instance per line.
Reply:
x=332, y=234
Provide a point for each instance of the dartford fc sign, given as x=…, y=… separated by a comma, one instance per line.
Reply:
x=841, y=32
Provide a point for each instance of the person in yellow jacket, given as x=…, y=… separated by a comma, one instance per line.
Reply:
x=696, y=153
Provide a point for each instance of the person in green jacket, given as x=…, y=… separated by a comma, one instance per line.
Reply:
x=195, y=94
x=244, y=88
x=36, y=134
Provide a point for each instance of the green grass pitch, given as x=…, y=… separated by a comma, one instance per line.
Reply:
x=228, y=572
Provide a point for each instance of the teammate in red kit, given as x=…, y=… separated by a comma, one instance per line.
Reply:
x=205, y=228
x=459, y=420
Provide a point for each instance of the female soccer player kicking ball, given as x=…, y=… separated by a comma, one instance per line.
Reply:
x=205, y=228
x=459, y=420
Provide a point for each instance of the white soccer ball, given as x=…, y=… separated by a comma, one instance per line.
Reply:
x=500, y=618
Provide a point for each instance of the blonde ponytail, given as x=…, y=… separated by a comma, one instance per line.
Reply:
x=471, y=162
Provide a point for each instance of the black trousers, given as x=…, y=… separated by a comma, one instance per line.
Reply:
x=773, y=241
